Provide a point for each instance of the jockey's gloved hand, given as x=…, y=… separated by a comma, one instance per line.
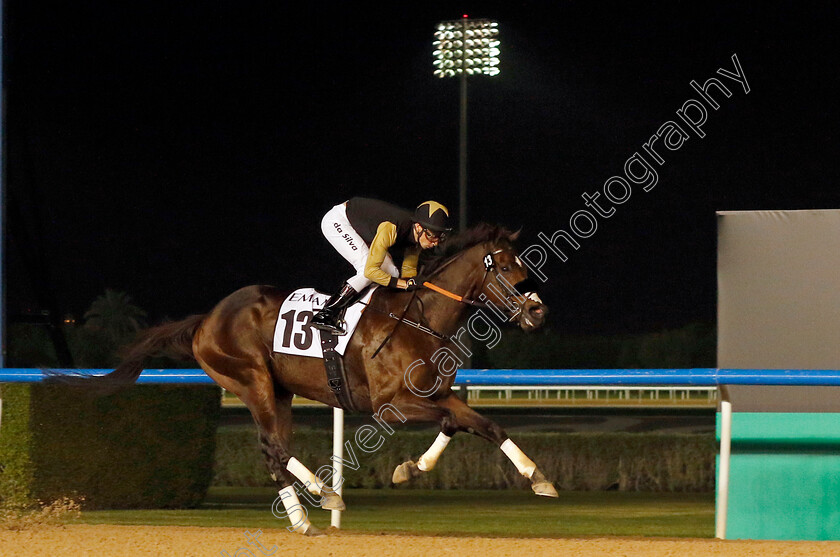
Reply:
x=412, y=284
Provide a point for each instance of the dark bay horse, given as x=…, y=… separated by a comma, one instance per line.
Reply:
x=233, y=344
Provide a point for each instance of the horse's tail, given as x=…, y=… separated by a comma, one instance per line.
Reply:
x=170, y=339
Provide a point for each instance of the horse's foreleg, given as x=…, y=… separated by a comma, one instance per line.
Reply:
x=411, y=469
x=467, y=419
x=428, y=459
x=417, y=409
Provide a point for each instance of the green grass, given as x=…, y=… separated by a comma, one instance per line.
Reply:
x=484, y=513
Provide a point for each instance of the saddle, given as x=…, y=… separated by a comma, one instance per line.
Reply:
x=294, y=336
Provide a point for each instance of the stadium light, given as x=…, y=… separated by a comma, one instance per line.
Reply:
x=465, y=47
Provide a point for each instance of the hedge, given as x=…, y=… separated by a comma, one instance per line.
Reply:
x=150, y=446
x=576, y=461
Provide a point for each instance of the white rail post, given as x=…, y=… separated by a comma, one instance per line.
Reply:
x=723, y=473
x=338, y=464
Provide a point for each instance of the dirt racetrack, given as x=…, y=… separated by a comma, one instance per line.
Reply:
x=105, y=540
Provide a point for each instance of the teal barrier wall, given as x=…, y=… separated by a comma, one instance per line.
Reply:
x=784, y=476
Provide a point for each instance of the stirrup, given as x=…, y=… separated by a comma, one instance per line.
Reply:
x=336, y=325
x=336, y=329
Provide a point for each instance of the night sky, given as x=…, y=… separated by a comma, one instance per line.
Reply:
x=180, y=150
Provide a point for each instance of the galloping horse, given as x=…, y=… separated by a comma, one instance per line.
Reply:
x=233, y=344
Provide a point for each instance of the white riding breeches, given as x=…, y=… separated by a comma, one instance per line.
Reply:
x=346, y=241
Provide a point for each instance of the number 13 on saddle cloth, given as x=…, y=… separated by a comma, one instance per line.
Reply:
x=293, y=335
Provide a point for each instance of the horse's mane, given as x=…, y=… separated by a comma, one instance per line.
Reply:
x=481, y=232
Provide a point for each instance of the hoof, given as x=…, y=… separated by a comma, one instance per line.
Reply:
x=544, y=488
x=314, y=531
x=332, y=502
x=405, y=472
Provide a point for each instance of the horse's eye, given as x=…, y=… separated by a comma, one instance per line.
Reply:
x=505, y=269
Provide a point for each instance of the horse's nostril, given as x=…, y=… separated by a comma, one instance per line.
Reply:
x=538, y=311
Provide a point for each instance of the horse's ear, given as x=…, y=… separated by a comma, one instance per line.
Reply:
x=515, y=235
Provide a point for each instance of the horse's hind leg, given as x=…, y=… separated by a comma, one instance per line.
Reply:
x=328, y=499
x=251, y=381
x=274, y=425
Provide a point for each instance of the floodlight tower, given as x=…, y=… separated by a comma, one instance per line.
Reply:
x=465, y=47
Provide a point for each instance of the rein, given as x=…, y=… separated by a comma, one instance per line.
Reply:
x=453, y=296
x=399, y=319
x=489, y=265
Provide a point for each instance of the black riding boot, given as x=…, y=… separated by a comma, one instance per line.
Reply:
x=330, y=318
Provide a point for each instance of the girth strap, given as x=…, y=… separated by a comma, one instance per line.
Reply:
x=336, y=376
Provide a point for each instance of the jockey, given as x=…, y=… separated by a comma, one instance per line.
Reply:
x=366, y=232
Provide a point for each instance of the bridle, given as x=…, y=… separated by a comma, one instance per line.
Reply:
x=512, y=295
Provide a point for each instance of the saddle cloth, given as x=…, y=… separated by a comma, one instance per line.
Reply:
x=293, y=335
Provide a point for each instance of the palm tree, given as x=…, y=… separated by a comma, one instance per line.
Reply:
x=115, y=315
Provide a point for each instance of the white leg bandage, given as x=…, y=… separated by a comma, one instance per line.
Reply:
x=431, y=456
x=307, y=478
x=524, y=464
x=294, y=510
